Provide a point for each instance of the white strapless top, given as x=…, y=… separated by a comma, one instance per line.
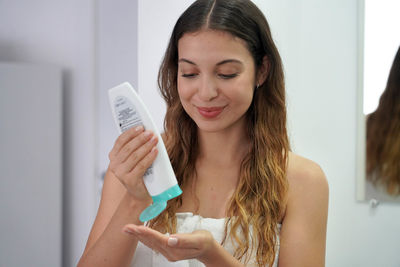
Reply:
x=187, y=223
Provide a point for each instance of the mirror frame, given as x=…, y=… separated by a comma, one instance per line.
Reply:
x=360, y=120
x=362, y=185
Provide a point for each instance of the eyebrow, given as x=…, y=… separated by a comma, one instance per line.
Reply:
x=218, y=64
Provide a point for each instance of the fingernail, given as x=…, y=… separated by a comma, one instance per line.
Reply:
x=139, y=128
x=132, y=230
x=128, y=231
x=147, y=134
x=172, y=241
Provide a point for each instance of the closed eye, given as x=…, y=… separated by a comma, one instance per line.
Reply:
x=189, y=75
x=228, y=76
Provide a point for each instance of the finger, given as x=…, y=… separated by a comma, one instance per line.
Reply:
x=132, y=145
x=135, y=158
x=159, y=242
x=143, y=150
x=190, y=240
x=147, y=232
x=149, y=237
x=124, y=138
x=141, y=166
x=193, y=240
x=178, y=242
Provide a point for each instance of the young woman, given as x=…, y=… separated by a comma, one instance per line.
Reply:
x=247, y=200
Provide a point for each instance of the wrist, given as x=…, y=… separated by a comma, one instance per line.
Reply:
x=216, y=256
x=210, y=254
x=136, y=206
x=138, y=202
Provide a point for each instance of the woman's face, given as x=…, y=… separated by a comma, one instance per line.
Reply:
x=216, y=79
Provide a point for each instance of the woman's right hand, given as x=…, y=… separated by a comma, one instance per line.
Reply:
x=133, y=153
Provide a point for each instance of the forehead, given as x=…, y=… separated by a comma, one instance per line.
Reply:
x=212, y=44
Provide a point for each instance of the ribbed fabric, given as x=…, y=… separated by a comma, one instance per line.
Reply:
x=187, y=222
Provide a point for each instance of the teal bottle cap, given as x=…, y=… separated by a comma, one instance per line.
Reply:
x=152, y=211
x=159, y=203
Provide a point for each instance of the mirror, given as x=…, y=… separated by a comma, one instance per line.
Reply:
x=378, y=177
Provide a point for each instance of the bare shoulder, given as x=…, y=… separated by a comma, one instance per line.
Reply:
x=308, y=187
x=303, y=232
x=305, y=174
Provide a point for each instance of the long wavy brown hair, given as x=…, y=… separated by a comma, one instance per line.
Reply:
x=259, y=199
x=383, y=135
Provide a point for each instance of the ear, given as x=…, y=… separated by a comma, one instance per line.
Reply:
x=263, y=71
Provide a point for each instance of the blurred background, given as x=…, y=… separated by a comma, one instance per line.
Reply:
x=57, y=60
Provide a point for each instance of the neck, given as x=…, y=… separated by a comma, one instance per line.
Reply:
x=224, y=148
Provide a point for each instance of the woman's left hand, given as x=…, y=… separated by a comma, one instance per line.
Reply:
x=196, y=245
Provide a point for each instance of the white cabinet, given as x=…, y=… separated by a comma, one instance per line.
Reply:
x=30, y=165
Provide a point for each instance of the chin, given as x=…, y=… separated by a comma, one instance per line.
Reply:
x=214, y=126
x=210, y=126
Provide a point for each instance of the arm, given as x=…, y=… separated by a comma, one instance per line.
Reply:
x=123, y=198
x=303, y=232
x=107, y=245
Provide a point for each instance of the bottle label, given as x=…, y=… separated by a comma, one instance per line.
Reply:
x=128, y=117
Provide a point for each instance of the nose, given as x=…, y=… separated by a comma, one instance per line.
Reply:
x=207, y=89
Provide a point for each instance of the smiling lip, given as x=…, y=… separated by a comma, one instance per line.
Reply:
x=210, y=113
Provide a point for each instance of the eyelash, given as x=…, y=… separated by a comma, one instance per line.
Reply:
x=191, y=75
x=223, y=76
x=227, y=76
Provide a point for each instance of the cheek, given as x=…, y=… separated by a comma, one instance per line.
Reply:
x=245, y=100
x=244, y=93
x=185, y=95
x=182, y=91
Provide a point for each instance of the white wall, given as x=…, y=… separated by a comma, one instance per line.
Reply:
x=153, y=36
x=117, y=62
x=318, y=44
x=30, y=165
x=62, y=33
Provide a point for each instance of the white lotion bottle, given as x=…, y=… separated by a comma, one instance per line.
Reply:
x=129, y=111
